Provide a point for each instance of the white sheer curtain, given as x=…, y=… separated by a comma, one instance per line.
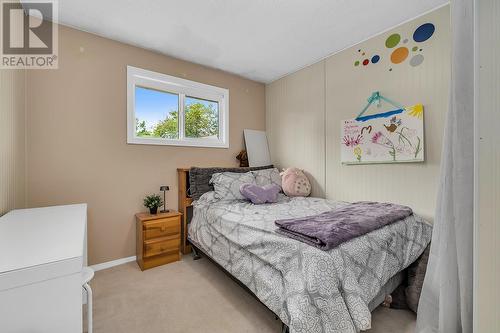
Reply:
x=446, y=300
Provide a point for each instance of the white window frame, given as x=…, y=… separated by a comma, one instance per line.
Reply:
x=184, y=88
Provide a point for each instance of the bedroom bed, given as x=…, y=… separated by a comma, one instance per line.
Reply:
x=309, y=289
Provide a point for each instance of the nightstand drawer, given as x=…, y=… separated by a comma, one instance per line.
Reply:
x=161, y=228
x=161, y=246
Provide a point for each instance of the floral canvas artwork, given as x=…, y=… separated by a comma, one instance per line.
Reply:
x=389, y=137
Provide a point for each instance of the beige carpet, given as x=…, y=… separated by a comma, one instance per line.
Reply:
x=193, y=296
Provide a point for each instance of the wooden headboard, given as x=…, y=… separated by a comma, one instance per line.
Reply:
x=185, y=206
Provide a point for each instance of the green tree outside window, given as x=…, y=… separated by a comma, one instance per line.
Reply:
x=140, y=128
x=200, y=121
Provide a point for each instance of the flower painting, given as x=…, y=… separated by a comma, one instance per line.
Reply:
x=389, y=137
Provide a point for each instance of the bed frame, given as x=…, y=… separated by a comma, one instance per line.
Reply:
x=185, y=206
x=188, y=246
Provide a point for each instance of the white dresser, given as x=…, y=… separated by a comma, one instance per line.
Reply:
x=42, y=253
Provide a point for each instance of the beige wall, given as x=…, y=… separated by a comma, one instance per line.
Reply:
x=306, y=133
x=487, y=240
x=12, y=139
x=77, y=150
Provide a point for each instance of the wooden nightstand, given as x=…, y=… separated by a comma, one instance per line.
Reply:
x=158, y=238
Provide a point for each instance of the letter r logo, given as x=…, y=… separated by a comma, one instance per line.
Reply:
x=27, y=27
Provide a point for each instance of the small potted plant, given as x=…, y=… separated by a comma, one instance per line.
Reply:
x=152, y=202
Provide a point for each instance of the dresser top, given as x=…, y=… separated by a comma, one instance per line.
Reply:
x=41, y=236
x=144, y=216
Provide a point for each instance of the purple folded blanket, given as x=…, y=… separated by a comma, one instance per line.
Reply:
x=330, y=229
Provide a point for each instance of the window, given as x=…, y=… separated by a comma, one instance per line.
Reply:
x=166, y=110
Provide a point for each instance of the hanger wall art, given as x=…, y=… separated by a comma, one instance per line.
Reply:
x=389, y=137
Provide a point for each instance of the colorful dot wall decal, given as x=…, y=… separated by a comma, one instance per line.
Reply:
x=401, y=48
x=416, y=60
x=424, y=32
x=392, y=41
x=399, y=55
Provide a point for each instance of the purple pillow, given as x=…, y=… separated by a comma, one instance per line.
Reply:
x=260, y=194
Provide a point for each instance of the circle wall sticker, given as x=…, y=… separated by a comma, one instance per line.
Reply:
x=392, y=40
x=424, y=32
x=416, y=60
x=375, y=59
x=399, y=55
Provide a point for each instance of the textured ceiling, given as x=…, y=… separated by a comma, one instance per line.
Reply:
x=262, y=40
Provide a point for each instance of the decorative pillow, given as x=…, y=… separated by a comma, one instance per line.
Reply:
x=199, y=178
x=295, y=183
x=260, y=194
x=227, y=184
x=267, y=177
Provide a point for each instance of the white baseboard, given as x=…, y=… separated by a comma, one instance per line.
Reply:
x=109, y=264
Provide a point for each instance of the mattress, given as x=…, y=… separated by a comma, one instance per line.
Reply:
x=309, y=289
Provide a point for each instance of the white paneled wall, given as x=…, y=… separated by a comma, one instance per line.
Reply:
x=487, y=245
x=295, y=123
x=12, y=139
x=348, y=87
x=304, y=111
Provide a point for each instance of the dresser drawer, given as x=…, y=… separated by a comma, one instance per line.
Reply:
x=163, y=245
x=161, y=228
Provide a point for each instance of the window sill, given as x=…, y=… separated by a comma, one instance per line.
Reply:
x=179, y=143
